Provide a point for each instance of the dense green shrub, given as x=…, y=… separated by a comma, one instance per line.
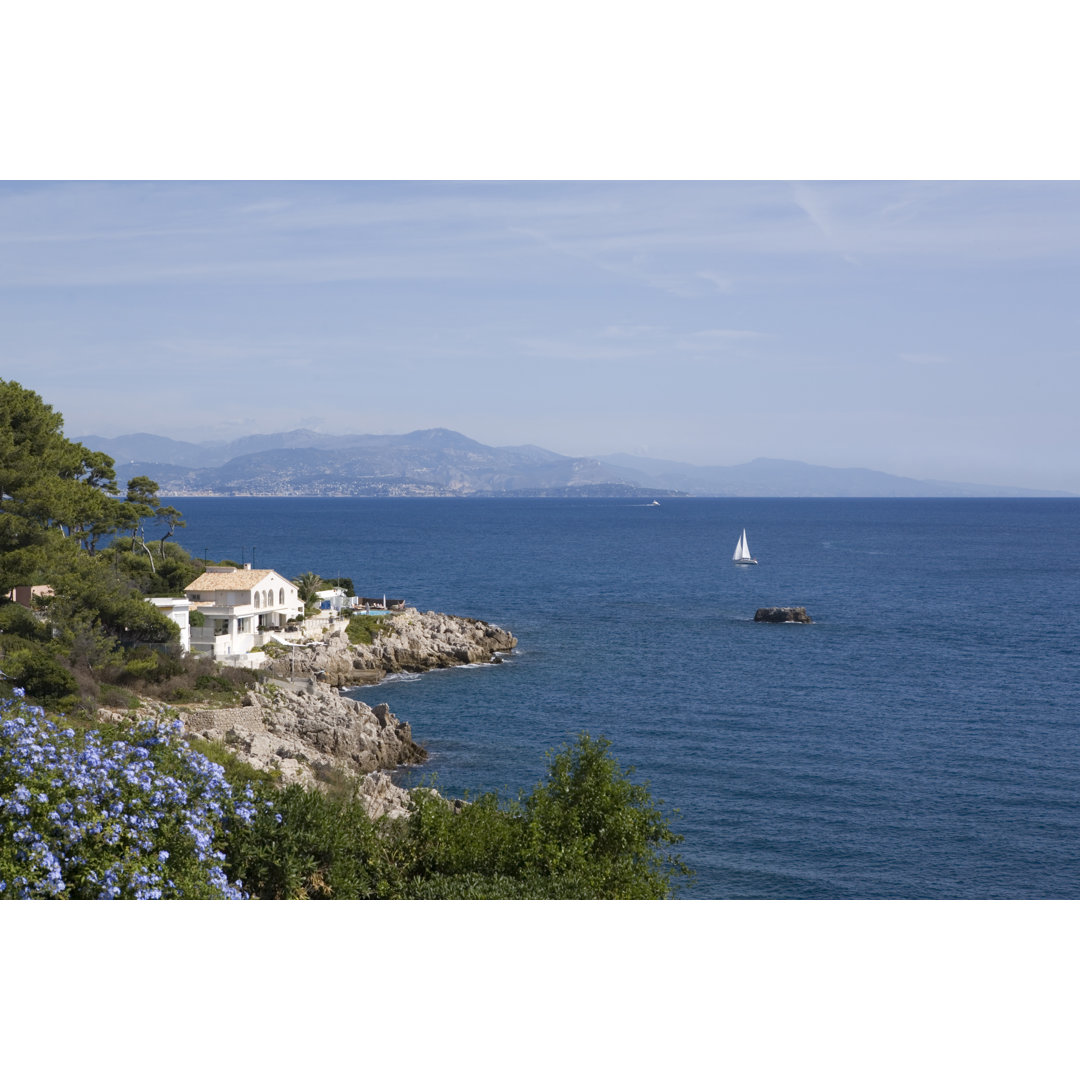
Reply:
x=587, y=832
x=37, y=670
x=363, y=629
x=309, y=845
x=16, y=621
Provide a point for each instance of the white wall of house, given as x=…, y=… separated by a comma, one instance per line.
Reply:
x=179, y=611
x=332, y=599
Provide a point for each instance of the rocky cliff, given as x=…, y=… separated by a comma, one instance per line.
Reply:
x=409, y=641
x=310, y=734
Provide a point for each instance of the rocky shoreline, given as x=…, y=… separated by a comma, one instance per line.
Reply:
x=302, y=727
x=312, y=735
x=410, y=641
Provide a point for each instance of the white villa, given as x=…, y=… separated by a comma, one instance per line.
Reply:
x=241, y=609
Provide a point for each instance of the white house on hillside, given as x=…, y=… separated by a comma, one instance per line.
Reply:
x=240, y=608
x=178, y=611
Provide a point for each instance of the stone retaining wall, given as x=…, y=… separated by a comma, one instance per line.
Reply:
x=245, y=718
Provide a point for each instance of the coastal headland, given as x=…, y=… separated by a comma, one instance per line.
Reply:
x=408, y=640
x=301, y=726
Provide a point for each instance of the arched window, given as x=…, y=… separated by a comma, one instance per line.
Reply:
x=281, y=596
x=256, y=597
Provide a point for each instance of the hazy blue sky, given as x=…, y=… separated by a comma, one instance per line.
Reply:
x=926, y=329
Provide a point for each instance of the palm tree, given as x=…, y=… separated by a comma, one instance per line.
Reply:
x=307, y=585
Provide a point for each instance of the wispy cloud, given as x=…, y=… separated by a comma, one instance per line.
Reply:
x=642, y=344
x=723, y=335
x=267, y=206
x=554, y=349
x=809, y=201
x=689, y=240
x=719, y=282
x=924, y=359
x=630, y=332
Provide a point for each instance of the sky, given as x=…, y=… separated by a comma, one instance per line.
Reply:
x=927, y=329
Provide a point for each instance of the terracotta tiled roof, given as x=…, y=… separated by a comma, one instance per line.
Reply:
x=238, y=581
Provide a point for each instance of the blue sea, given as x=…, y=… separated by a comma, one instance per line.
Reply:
x=920, y=739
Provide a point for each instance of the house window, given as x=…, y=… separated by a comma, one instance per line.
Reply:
x=256, y=598
x=281, y=596
x=221, y=626
x=242, y=625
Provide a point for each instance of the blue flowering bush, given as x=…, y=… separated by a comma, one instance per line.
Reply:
x=86, y=816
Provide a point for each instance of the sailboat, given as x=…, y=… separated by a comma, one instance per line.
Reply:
x=742, y=553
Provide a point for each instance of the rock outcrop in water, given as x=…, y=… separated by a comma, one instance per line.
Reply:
x=782, y=615
x=409, y=641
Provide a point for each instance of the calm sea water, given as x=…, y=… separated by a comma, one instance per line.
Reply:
x=919, y=740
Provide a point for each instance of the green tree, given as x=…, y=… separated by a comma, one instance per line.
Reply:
x=592, y=819
x=307, y=585
x=58, y=501
x=172, y=519
x=143, y=505
x=90, y=589
x=343, y=583
x=51, y=489
x=34, y=457
x=95, y=510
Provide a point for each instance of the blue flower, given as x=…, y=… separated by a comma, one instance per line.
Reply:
x=117, y=792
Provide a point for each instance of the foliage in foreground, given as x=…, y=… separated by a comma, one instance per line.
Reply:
x=86, y=816
x=138, y=813
x=586, y=832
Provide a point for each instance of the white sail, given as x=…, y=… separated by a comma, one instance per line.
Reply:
x=742, y=550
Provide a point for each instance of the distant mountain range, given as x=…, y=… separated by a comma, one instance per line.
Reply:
x=438, y=462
